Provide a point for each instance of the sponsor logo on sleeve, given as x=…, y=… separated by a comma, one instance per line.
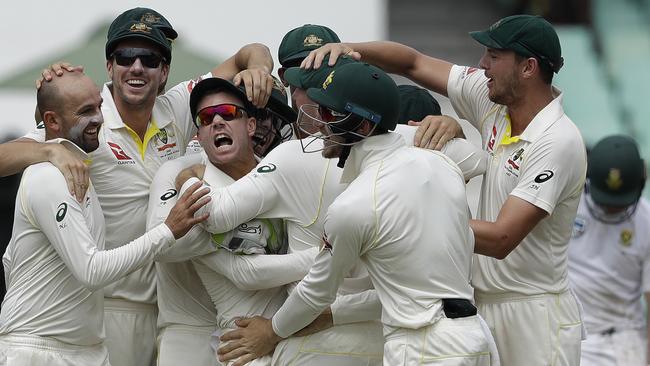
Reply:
x=544, y=176
x=61, y=210
x=168, y=194
x=267, y=168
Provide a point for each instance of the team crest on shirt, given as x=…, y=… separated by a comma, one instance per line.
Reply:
x=325, y=245
x=165, y=143
x=513, y=163
x=626, y=237
x=579, y=226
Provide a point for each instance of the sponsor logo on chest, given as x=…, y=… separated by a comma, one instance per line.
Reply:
x=120, y=154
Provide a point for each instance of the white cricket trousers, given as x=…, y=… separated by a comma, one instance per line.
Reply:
x=130, y=332
x=356, y=344
x=447, y=342
x=185, y=345
x=31, y=350
x=537, y=330
x=621, y=348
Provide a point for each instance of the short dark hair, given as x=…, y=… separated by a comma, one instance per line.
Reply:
x=48, y=98
x=544, y=69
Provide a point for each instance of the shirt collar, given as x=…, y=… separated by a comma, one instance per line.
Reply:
x=368, y=151
x=545, y=118
x=72, y=147
x=113, y=120
x=213, y=176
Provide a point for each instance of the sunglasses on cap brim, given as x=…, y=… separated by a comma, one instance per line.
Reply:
x=226, y=111
x=127, y=56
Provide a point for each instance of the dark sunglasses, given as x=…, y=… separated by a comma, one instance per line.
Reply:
x=127, y=56
x=227, y=112
x=328, y=115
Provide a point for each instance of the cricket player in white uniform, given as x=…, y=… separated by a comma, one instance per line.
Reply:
x=609, y=255
x=427, y=312
x=141, y=131
x=314, y=182
x=55, y=264
x=532, y=186
x=187, y=315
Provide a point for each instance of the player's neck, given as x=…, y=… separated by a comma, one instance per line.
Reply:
x=523, y=110
x=137, y=117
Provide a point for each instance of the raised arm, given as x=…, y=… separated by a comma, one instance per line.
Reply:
x=252, y=65
x=392, y=57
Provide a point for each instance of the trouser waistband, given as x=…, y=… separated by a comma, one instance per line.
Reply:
x=111, y=304
x=490, y=298
x=30, y=340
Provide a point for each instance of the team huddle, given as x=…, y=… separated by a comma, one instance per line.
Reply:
x=318, y=218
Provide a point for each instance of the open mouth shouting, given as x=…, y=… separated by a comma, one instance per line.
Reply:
x=221, y=140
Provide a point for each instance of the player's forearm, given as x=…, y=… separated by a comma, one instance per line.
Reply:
x=294, y=315
x=359, y=307
x=254, y=55
x=104, y=267
x=491, y=240
x=18, y=154
x=259, y=272
x=195, y=243
x=400, y=59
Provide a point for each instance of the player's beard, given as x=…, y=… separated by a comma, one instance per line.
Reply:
x=504, y=91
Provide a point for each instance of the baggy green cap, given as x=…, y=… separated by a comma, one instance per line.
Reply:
x=526, y=35
x=362, y=89
x=298, y=42
x=141, y=23
x=415, y=103
x=313, y=78
x=616, y=172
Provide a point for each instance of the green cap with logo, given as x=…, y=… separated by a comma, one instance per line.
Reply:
x=415, y=103
x=313, y=78
x=526, y=35
x=616, y=172
x=361, y=89
x=297, y=44
x=143, y=23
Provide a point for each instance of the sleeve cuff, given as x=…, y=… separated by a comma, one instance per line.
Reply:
x=294, y=315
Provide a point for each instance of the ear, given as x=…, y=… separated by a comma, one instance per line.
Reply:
x=109, y=69
x=165, y=73
x=251, y=125
x=52, y=123
x=529, y=67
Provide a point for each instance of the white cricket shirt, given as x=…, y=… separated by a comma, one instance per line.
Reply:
x=545, y=165
x=405, y=215
x=123, y=167
x=609, y=268
x=55, y=265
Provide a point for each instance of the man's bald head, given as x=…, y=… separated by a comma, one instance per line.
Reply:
x=71, y=108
